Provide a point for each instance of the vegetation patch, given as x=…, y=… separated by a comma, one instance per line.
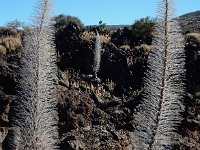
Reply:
x=193, y=36
x=10, y=42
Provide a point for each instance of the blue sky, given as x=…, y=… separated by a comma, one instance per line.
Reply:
x=92, y=11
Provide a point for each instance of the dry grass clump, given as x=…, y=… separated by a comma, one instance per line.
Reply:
x=146, y=48
x=10, y=42
x=193, y=36
x=125, y=47
x=90, y=36
x=105, y=38
x=2, y=50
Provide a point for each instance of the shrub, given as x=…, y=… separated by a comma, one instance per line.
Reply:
x=125, y=47
x=16, y=24
x=11, y=42
x=102, y=26
x=63, y=20
x=90, y=36
x=144, y=47
x=142, y=31
x=8, y=32
x=2, y=50
x=193, y=36
x=105, y=38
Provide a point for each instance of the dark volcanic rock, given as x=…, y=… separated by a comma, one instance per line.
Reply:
x=192, y=62
x=86, y=123
x=121, y=36
x=98, y=138
x=191, y=124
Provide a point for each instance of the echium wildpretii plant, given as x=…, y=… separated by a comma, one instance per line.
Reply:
x=159, y=114
x=97, y=55
x=34, y=111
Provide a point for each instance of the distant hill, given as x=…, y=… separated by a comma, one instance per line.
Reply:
x=114, y=27
x=110, y=27
x=190, y=22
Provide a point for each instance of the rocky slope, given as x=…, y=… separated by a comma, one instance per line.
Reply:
x=190, y=22
x=98, y=115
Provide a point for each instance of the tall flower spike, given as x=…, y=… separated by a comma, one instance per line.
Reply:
x=34, y=112
x=159, y=113
x=97, y=54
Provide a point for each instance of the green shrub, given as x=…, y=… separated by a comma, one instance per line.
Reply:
x=63, y=20
x=142, y=31
x=16, y=24
x=102, y=26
